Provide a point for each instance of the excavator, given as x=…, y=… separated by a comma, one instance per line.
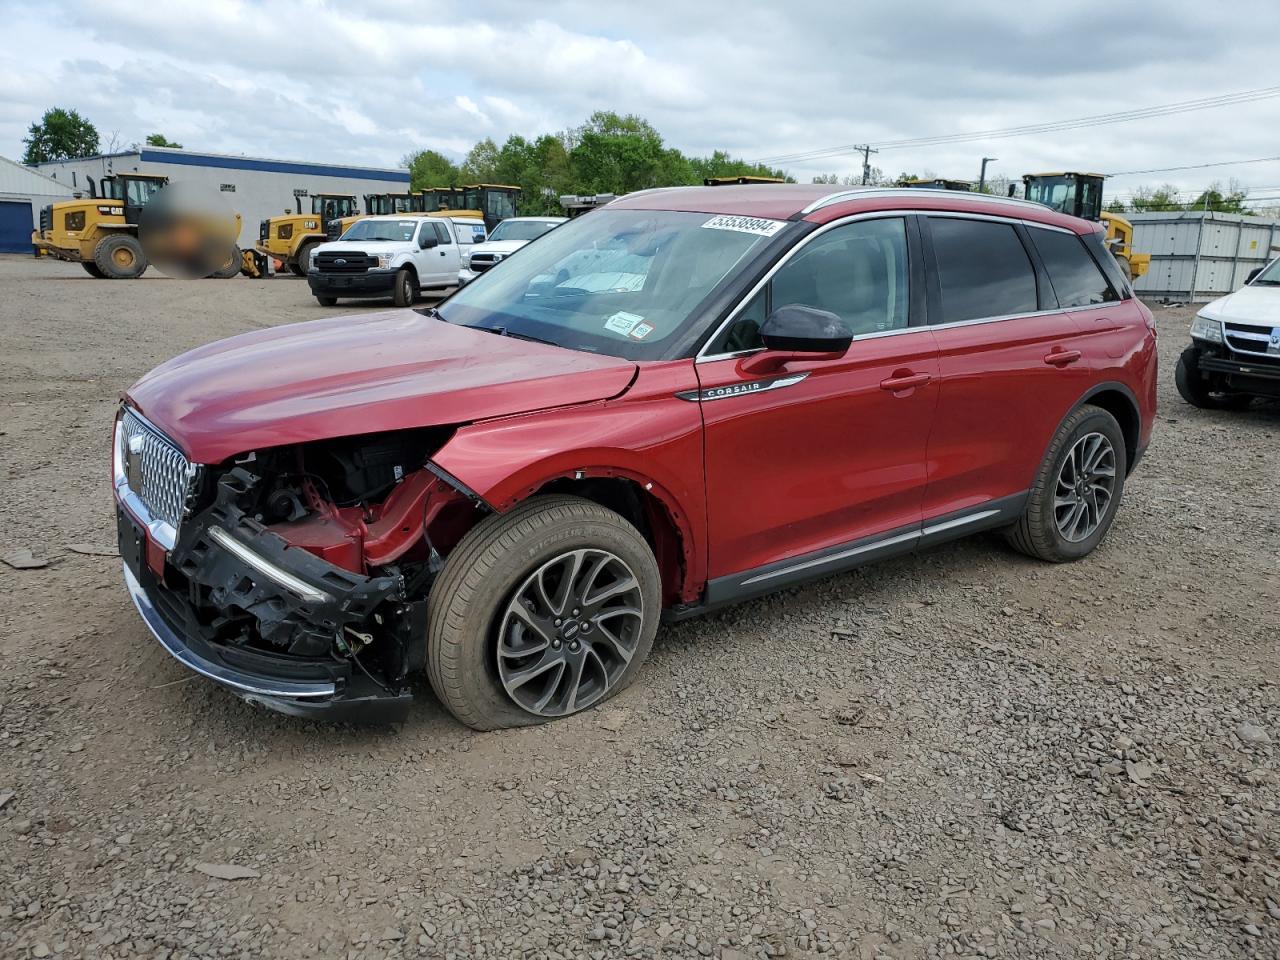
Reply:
x=100, y=232
x=1080, y=194
x=290, y=237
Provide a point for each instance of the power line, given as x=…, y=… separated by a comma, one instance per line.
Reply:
x=1123, y=116
x=1194, y=166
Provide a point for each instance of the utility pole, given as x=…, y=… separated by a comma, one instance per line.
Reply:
x=866, y=161
x=982, y=177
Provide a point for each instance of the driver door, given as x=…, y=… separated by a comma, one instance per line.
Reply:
x=821, y=460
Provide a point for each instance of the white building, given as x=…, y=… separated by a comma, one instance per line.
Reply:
x=23, y=193
x=256, y=188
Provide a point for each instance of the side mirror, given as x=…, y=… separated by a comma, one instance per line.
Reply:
x=1253, y=274
x=797, y=332
x=428, y=241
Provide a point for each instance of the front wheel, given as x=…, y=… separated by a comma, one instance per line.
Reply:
x=326, y=301
x=1077, y=489
x=405, y=290
x=92, y=269
x=120, y=257
x=541, y=612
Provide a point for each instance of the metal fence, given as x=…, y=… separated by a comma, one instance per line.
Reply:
x=1201, y=256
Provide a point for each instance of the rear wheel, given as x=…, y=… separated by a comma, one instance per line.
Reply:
x=1126, y=268
x=326, y=301
x=1198, y=391
x=299, y=266
x=120, y=257
x=405, y=290
x=92, y=270
x=231, y=268
x=541, y=612
x=1077, y=489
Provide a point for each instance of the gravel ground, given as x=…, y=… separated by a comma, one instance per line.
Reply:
x=958, y=753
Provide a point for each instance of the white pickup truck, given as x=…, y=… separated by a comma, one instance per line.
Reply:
x=392, y=256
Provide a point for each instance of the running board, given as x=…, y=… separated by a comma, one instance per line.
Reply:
x=848, y=556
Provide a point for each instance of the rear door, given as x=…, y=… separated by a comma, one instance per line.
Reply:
x=804, y=460
x=1010, y=362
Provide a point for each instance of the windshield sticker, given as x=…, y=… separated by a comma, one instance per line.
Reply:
x=757, y=225
x=623, y=322
x=640, y=331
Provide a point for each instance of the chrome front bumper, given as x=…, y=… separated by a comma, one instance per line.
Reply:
x=244, y=684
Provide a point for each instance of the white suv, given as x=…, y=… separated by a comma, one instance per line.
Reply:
x=507, y=237
x=392, y=256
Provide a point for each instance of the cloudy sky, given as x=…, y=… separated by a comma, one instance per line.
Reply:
x=366, y=82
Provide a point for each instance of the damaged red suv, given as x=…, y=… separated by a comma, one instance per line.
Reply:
x=685, y=398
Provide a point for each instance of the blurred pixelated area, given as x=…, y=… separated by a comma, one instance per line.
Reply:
x=189, y=231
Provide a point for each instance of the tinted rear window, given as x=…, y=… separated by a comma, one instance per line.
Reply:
x=983, y=270
x=1075, y=277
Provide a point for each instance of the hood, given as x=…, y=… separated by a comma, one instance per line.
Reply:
x=1258, y=304
x=498, y=246
x=344, y=376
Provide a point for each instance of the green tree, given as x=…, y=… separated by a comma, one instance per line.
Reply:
x=430, y=168
x=481, y=163
x=1214, y=199
x=160, y=140
x=618, y=154
x=60, y=135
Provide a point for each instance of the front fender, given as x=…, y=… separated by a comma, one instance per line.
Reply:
x=647, y=435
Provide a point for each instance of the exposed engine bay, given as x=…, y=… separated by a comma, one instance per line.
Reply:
x=319, y=557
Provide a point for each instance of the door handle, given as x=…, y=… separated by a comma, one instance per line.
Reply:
x=906, y=382
x=1060, y=358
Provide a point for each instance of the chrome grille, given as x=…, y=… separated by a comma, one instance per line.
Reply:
x=155, y=470
x=1248, y=339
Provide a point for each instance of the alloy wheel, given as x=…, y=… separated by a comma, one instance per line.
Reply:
x=1086, y=485
x=569, y=632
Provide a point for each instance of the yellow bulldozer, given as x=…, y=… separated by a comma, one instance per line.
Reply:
x=290, y=237
x=101, y=233
x=1080, y=194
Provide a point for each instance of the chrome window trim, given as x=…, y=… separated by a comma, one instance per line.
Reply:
x=703, y=357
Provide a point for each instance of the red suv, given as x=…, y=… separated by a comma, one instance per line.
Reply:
x=682, y=399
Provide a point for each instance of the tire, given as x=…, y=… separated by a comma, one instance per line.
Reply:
x=485, y=577
x=405, y=291
x=298, y=266
x=120, y=257
x=1039, y=532
x=326, y=301
x=92, y=270
x=1125, y=268
x=1194, y=388
x=231, y=268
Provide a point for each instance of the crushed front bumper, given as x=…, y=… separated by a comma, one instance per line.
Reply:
x=215, y=595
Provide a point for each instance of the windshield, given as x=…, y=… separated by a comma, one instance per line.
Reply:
x=621, y=282
x=1056, y=192
x=520, y=229
x=400, y=230
x=1270, y=275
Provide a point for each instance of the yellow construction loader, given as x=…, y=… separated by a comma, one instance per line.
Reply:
x=290, y=237
x=490, y=202
x=377, y=205
x=1080, y=194
x=101, y=233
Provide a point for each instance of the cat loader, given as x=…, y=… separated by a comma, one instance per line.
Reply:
x=289, y=238
x=1080, y=195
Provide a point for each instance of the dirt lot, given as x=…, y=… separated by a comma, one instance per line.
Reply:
x=956, y=753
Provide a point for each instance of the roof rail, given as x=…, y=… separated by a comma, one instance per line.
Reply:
x=843, y=195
